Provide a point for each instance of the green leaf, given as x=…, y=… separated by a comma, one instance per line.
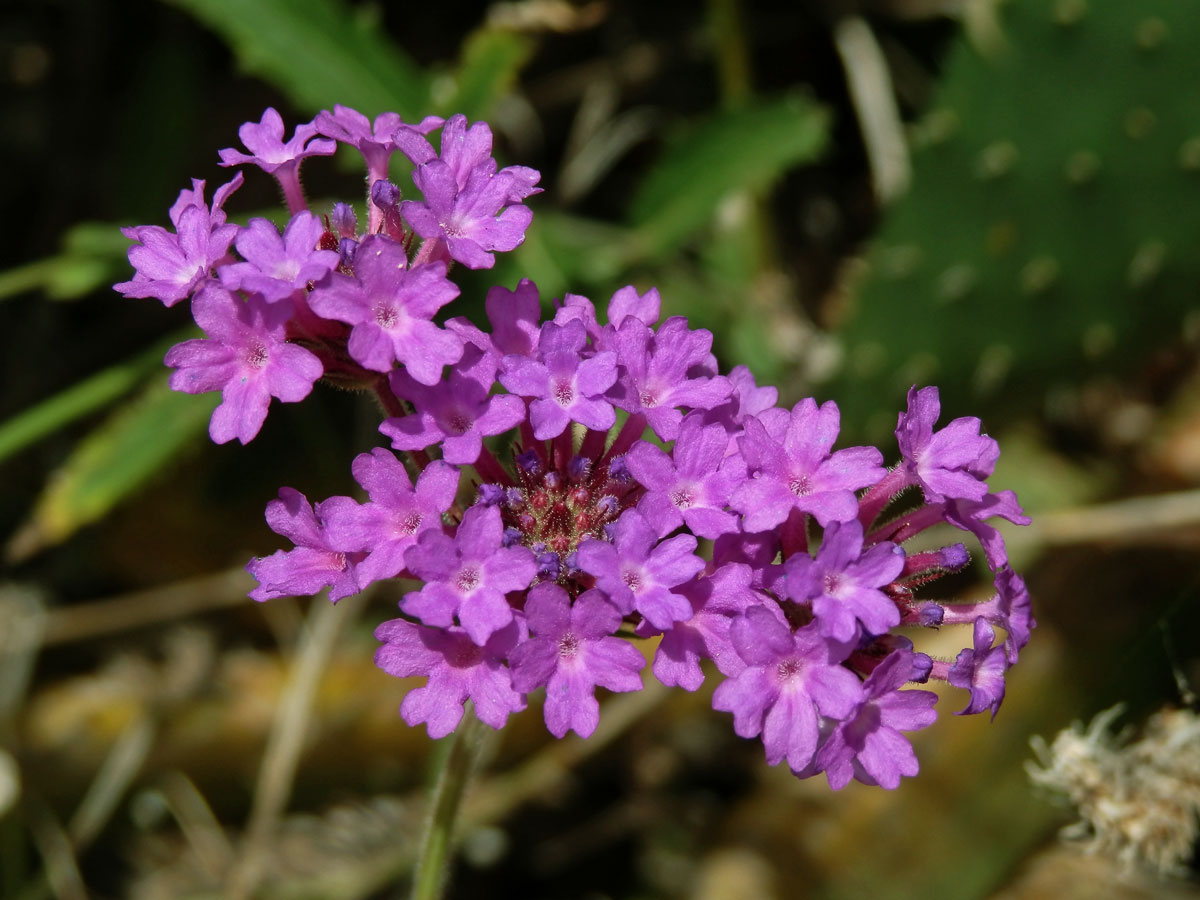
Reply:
x=80, y=399
x=93, y=254
x=319, y=53
x=740, y=149
x=563, y=253
x=487, y=70
x=113, y=462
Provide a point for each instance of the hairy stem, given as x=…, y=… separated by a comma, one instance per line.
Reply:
x=434, y=858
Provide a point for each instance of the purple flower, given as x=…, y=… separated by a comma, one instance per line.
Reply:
x=169, y=267
x=565, y=386
x=195, y=197
x=514, y=317
x=473, y=219
x=468, y=575
x=314, y=563
x=637, y=575
x=657, y=376
x=791, y=466
x=457, y=670
x=344, y=221
x=1013, y=612
x=716, y=601
x=457, y=412
x=842, y=583
x=691, y=485
x=789, y=678
x=955, y=462
x=390, y=308
x=747, y=399
x=466, y=151
x=396, y=514
x=980, y=670
x=264, y=140
x=568, y=539
x=757, y=550
x=246, y=356
x=572, y=651
x=867, y=744
x=278, y=266
x=627, y=302
x=375, y=141
x=971, y=515
x=1009, y=608
x=573, y=307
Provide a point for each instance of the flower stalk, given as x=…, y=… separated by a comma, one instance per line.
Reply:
x=453, y=776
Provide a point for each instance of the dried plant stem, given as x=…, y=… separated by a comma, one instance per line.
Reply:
x=61, y=877
x=286, y=740
x=87, y=621
x=433, y=860
x=870, y=86
x=1123, y=521
x=489, y=802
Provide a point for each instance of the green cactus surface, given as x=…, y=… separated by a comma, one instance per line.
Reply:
x=1052, y=227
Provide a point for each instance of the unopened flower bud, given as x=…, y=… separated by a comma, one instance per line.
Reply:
x=922, y=666
x=929, y=614
x=344, y=221
x=572, y=563
x=385, y=195
x=529, y=462
x=955, y=556
x=491, y=494
x=618, y=471
x=549, y=566
x=347, y=248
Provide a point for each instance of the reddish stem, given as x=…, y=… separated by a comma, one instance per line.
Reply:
x=795, y=534
x=880, y=494
x=564, y=446
x=593, y=444
x=631, y=432
x=490, y=469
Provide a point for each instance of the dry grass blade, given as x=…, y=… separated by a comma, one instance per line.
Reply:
x=61, y=878
x=137, y=610
x=1123, y=521
x=120, y=768
x=870, y=86
x=286, y=740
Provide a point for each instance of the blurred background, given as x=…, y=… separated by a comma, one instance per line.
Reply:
x=999, y=198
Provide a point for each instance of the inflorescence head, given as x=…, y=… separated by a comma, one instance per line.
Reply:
x=632, y=447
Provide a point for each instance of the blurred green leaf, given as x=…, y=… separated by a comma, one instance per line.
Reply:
x=745, y=148
x=101, y=239
x=568, y=253
x=80, y=399
x=113, y=462
x=318, y=52
x=488, y=68
x=92, y=256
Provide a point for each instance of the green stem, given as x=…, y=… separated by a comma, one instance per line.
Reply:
x=731, y=50
x=434, y=858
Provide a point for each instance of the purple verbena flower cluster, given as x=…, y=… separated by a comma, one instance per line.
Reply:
x=556, y=477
